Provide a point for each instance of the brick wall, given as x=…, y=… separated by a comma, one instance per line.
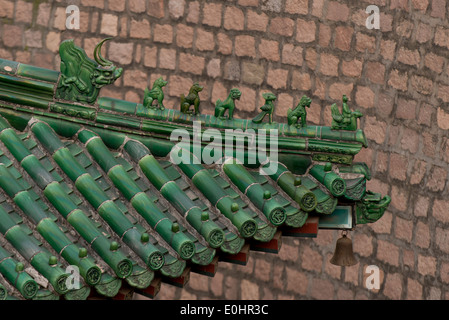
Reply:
x=397, y=76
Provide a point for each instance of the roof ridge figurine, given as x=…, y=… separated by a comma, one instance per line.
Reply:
x=192, y=99
x=81, y=77
x=227, y=104
x=155, y=94
x=267, y=108
x=299, y=113
x=347, y=119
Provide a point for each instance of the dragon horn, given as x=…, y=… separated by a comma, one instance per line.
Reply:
x=98, y=57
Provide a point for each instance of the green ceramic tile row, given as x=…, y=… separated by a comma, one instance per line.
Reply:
x=33, y=251
x=55, y=193
x=47, y=227
x=296, y=217
x=293, y=187
x=169, y=231
x=172, y=267
x=95, y=195
x=204, y=181
x=331, y=180
x=326, y=203
x=260, y=197
x=197, y=217
x=14, y=272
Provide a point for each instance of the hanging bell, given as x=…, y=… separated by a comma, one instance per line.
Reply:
x=343, y=255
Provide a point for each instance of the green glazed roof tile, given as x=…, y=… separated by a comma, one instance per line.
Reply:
x=103, y=166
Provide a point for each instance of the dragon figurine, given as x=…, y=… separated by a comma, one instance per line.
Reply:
x=267, y=108
x=371, y=208
x=347, y=119
x=228, y=104
x=299, y=112
x=81, y=77
x=192, y=99
x=155, y=94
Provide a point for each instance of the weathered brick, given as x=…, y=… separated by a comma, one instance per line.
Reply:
x=272, y=5
x=233, y=19
x=282, y=26
x=423, y=33
x=311, y=58
x=375, y=130
x=284, y=102
x=156, y=8
x=184, y=36
x=224, y=44
x=324, y=36
x=232, y=70
x=422, y=235
x=277, y=78
x=213, y=68
x=248, y=3
x=305, y=31
x=398, y=80
x=418, y=172
x=245, y=46
x=322, y=289
x=150, y=57
x=434, y=62
x=441, y=37
x=343, y=37
x=176, y=8
x=317, y=8
x=297, y=6
x=442, y=239
x=204, y=40
x=6, y=9
x=362, y=244
x=445, y=149
x=414, y=290
x=388, y=252
x=212, y=14
x=296, y=281
x=398, y=166
x=257, y=22
x=387, y=49
x=178, y=85
x=311, y=259
x=33, y=38
x=429, y=141
x=393, y=286
x=410, y=140
x=167, y=59
x=116, y=5
x=338, y=89
x=301, y=81
x=427, y=265
x=375, y=72
x=352, y=68
x=24, y=12
x=365, y=43
x=438, y=9
x=253, y=73
x=43, y=14
x=163, y=33
x=249, y=290
x=193, y=14
x=409, y=57
x=399, y=198
x=442, y=119
x=337, y=11
x=364, y=97
x=420, y=4
x=191, y=63
x=292, y=54
x=404, y=229
x=122, y=53
x=421, y=206
x=93, y=3
x=137, y=6
x=443, y=92
x=262, y=270
x=247, y=100
x=269, y=50
x=329, y=64
x=140, y=29
x=135, y=78
x=437, y=179
x=12, y=35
